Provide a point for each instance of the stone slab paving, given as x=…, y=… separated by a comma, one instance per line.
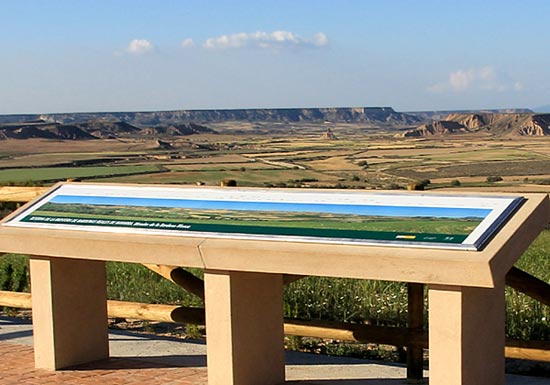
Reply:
x=149, y=359
x=17, y=367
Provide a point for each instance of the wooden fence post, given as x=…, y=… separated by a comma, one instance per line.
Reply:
x=415, y=318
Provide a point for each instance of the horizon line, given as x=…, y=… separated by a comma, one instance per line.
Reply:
x=532, y=109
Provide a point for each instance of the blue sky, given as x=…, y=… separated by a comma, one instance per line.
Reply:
x=387, y=211
x=99, y=55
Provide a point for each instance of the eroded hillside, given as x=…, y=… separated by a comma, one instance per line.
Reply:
x=489, y=123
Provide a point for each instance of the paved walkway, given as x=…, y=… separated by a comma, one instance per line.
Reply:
x=152, y=360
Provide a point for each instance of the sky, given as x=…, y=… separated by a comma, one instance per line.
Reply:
x=141, y=55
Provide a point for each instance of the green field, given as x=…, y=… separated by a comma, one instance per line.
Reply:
x=299, y=157
x=51, y=174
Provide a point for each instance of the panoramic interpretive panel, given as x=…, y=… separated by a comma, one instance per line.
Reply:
x=370, y=218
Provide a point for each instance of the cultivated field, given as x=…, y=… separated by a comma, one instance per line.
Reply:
x=298, y=156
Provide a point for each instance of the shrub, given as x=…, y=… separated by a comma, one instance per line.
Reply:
x=394, y=186
x=228, y=183
x=340, y=186
x=492, y=179
x=14, y=273
x=415, y=186
x=455, y=183
x=6, y=208
x=303, y=180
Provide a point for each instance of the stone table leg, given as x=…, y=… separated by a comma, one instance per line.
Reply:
x=244, y=328
x=466, y=334
x=69, y=311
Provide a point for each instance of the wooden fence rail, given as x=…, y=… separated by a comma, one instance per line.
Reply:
x=414, y=337
x=180, y=277
x=396, y=336
x=528, y=285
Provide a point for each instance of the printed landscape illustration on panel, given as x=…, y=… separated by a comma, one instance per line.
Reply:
x=333, y=221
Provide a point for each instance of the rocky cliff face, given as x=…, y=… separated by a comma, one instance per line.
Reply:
x=441, y=115
x=497, y=124
x=177, y=130
x=43, y=130
x=378, y=115
x=93, y=130
x=471, y=121
x=538, y=126
x=438, y=128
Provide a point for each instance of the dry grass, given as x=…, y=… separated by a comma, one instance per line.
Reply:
x=525, y=168
x=252, y=178
x=45, y=146
x=330, y=162
x=220, y=166
x=519, y=188
x=337, y=163
x=276, y=154
x=218, y=159
x=488, y=155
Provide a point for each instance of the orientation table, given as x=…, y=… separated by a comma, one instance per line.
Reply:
x=245, y=239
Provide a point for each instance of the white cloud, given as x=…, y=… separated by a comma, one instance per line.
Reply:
x=139, y=47
x=320, y=39
x=518, y=86
x=487, y=73
x=483, y=78
x=461, y=80
x=265, y=40
x=187, y=43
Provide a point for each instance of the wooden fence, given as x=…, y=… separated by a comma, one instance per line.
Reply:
x=414, y=337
